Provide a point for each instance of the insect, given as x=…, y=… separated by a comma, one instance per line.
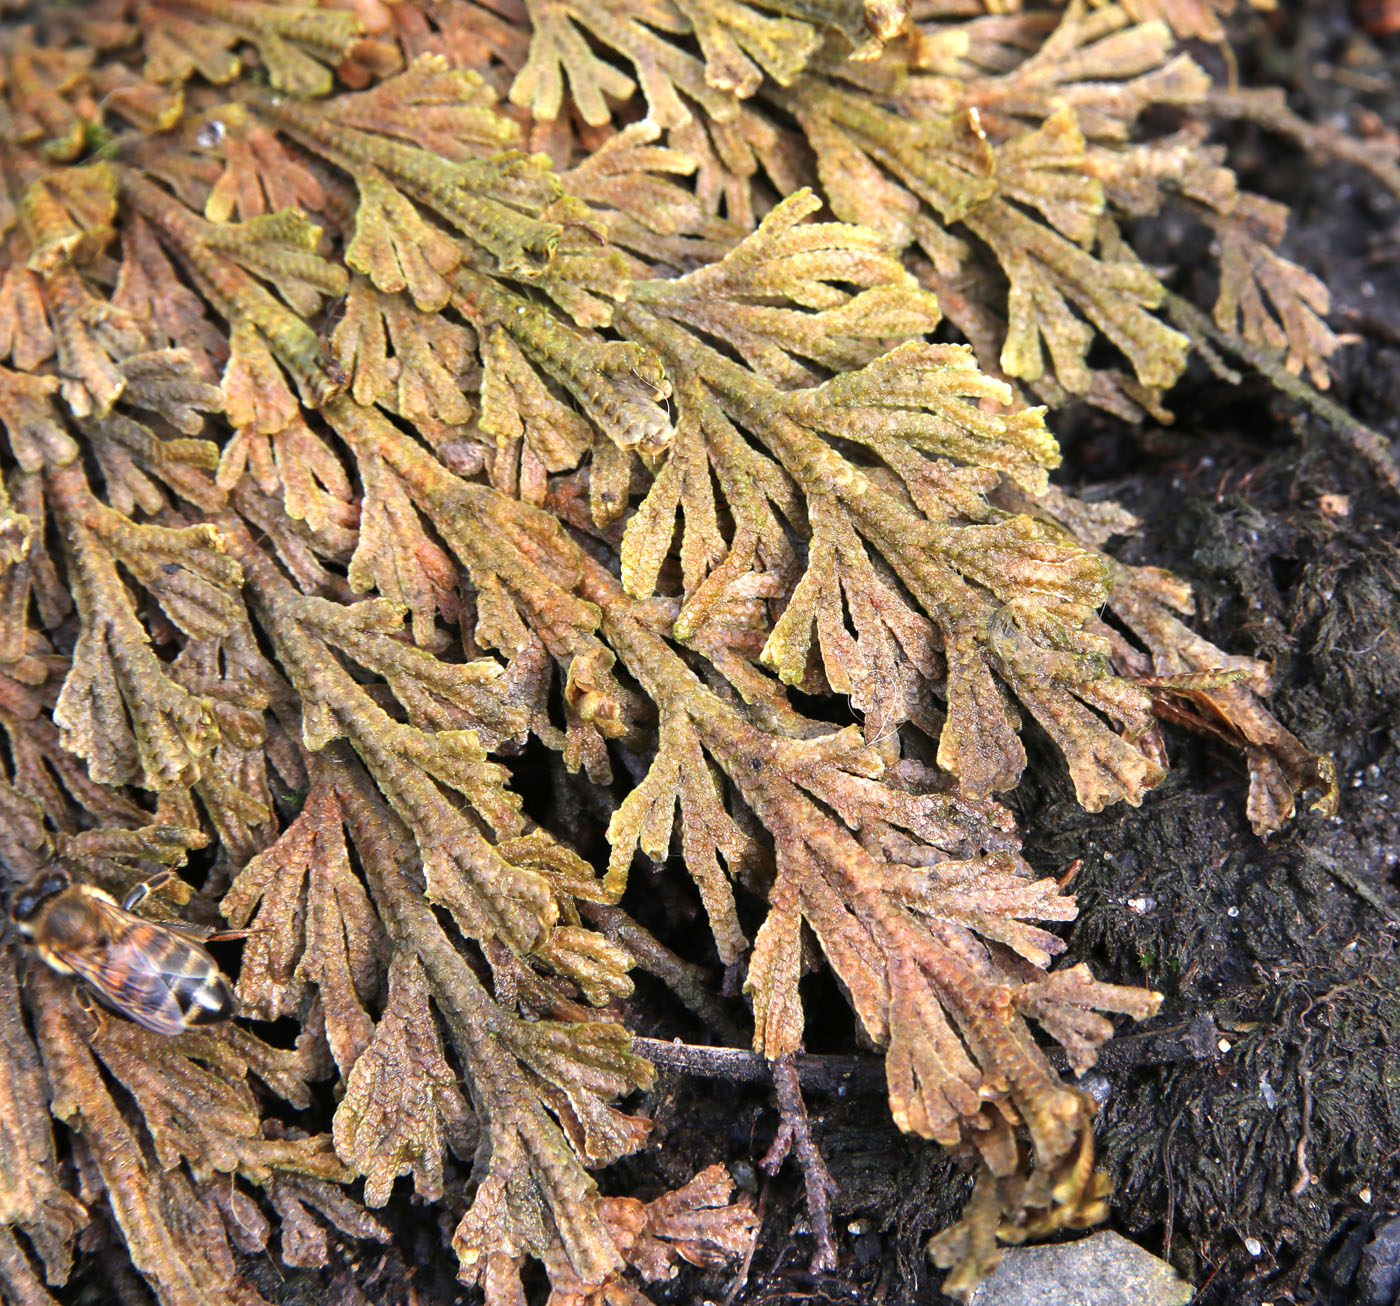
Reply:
x=154, y=974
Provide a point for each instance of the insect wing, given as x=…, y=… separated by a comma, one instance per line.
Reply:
x=124, y=978
x=134, y=974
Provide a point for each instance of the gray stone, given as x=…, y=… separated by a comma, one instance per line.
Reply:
x=1379, y=1279
x=1103, y=1270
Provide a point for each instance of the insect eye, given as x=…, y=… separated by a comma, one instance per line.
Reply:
x=24, y=906
x=54, y=881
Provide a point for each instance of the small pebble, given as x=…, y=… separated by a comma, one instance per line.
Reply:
x=1224, y=1045
x=1097, y=1087
x=1232, y=912
x=1104, y=1269
x=1253, y=1246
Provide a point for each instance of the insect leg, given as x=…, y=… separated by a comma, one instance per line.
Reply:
x=138, y=892
x=83, y=1000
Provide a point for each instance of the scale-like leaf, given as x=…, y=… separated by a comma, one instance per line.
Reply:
x=402, y=1105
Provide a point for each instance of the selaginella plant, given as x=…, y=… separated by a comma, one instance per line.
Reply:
x=388, y=385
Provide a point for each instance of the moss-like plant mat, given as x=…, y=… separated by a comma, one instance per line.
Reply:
x=541, y=513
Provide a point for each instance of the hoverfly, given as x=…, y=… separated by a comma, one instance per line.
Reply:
x=154, y=974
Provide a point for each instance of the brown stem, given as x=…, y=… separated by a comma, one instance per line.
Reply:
x=690, y=983
x=1371, y=445
x=821, y=1074
x=796, y=1132
x=1268, y=109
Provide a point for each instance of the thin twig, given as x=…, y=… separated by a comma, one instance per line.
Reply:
x=1192, y=1040
x=1305, y=1177
x=821, y=1074
x=1188, y=1040
x=1170, y=1221
x=795, y=1132
x=741, y=1276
